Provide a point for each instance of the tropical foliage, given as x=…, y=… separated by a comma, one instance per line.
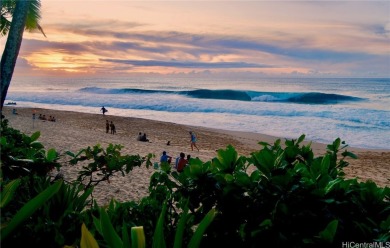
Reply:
x=33, y=16
x=281, y=195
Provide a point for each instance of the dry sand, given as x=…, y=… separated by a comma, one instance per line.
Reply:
x=74, y=131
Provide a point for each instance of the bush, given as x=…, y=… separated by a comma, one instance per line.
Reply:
x=291, y=198
x=23, y=155
x=279, y=196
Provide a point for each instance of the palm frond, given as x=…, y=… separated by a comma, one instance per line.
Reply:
x=33, y=15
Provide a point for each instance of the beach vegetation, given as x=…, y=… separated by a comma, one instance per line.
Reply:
x=23, y=155
x=281, y=195
x=104, y=163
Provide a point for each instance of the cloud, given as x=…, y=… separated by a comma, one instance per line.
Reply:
x=188, y=64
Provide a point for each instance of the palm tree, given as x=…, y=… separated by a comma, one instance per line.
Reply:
x=25, y=15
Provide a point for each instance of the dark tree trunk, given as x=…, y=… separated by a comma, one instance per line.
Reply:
x=12, y=47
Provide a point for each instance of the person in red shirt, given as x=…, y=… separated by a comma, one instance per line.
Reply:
x=181, y=163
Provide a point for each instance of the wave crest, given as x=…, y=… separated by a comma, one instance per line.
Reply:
x=237, y=95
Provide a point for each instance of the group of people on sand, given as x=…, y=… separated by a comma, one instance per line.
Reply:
x=44, y=118
x=142, y=137
x=180, y=163
x=110, y=127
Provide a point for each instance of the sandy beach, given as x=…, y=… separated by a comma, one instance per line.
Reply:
x=74, y=131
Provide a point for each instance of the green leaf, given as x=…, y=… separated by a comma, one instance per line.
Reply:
x=97, y=224
x=158, y=237
x=242, y=179
x=226, y=158
x=329, y=232
x=51, y=155
x=8, y=192
x=36, y=145
x=180, y=228
x=29, y=208
x=349, y=154
x=109, y=233
x=137, y=237
x=35, y=136
x=332, y=184
x=70, y=154
x=301, y=138
x=255, y=176
x=87, y=240
x=262, y=143
x=229, y=178
x=125, y=236
x=201, y=229
x=325, y=163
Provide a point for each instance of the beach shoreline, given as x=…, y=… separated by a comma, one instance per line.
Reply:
x=73, y=131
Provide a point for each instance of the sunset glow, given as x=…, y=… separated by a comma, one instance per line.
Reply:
x=309, y=38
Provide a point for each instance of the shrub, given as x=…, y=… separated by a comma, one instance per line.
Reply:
x=279, y=196
x=22, y=155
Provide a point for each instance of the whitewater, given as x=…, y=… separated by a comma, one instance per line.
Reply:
x=356, y=110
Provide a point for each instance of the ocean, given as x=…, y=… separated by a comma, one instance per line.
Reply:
x=357, y=110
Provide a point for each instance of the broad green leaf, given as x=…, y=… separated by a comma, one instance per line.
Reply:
x=264, y=161
x=242, y=179
x=227, y=157
x=325, y=163
x=349, y=154
x=201, y=229
x=51, y=155
x=29, y=208
x=87, y=240
x=109, y=233
x=137, y=237
x=158, y=237
x=255, y=176
x=301, y=138
x=289, y=143
x=330, y=231
x=332, y=184
x=35, y=136
x=8, y=192
x=36, y=144
x=229, y=178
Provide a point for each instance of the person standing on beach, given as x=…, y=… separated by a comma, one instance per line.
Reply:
x=193, y=141
x=107, y=126
x=113, y=130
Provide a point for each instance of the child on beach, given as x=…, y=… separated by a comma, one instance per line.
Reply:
x=107, y=126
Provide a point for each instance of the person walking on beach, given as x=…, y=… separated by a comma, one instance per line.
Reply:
x=104, y=110
x=193, y=141
x=113, y=130
x=107, y=126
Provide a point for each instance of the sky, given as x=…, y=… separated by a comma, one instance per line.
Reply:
x=231, y=38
